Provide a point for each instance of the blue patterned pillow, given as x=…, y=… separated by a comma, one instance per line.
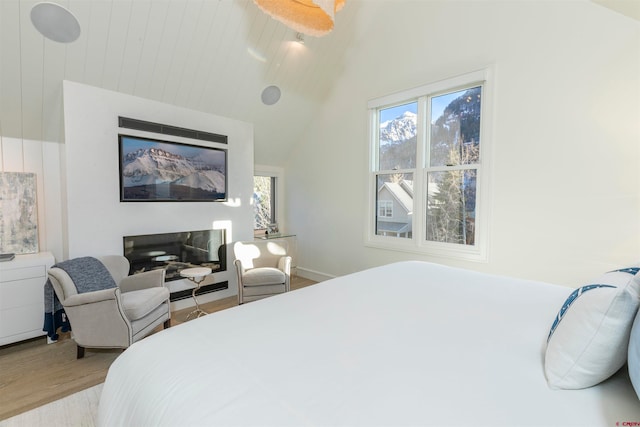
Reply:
x=589, y=337
x=574, y=295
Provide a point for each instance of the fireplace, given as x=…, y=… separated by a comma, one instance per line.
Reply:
x=174, y=252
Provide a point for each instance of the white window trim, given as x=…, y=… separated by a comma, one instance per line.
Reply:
x=418, y=243
x=278, y=173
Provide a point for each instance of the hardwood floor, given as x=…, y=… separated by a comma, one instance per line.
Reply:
x=33, y=373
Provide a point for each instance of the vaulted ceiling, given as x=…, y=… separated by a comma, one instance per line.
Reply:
x=214, y=56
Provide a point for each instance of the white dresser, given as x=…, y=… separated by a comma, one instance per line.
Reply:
x=22, y=296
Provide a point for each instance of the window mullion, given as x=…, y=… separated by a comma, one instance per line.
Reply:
x=422, y=155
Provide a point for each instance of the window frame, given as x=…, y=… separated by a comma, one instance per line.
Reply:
x=277, y=195
x=418, y=243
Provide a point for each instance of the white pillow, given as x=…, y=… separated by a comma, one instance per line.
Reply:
x=633, y=358
x=589, y=338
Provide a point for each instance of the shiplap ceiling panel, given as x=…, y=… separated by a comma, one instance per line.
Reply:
x=54, y=60
x=227, y=62
x=209, y=60
x=97, y=38
x=194, y=49
x=201, y=54
x=10, y=75
x=76, y=52
x=31, y=65
x=136, y=29
x=158, y=21
x=116, y=40
x=275, y=55
x=214, y=56
x=185, y=36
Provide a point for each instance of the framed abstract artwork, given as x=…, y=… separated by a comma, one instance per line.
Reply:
x=18, y=213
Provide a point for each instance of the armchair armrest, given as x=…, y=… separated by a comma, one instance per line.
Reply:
x=148, y=279
x=98, y=318
x=284, y=264
x=91, y=297
x=239, y=266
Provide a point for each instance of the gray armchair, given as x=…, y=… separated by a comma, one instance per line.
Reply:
x=115, y=317
x=263, y=269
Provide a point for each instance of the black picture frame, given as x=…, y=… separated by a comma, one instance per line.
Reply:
x=154, y=170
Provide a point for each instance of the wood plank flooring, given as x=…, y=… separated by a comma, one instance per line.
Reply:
x=33, y=373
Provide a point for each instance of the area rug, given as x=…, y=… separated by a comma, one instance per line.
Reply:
x=78, y=409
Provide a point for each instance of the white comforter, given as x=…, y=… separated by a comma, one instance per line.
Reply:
x=410, y=343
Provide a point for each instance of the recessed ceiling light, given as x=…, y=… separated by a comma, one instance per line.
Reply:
x=270, y=95
x=55, y=22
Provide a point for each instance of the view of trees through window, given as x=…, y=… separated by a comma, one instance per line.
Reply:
x=454, y=151
x=263, y=201
x=451, y=162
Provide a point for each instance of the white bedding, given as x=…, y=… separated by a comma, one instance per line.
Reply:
x=409, y=343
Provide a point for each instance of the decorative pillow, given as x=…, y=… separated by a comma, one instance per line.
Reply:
x=634, y=355
x=589, y=338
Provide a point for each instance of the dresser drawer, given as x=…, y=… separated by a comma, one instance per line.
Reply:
x=22, y=296
x=13, y=274
x=20, y=293
x=20, y=320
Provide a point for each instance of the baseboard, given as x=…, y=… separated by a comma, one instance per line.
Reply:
x=316, y=276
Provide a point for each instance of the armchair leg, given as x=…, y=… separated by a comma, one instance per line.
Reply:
x=167, y=323
x=80, y=352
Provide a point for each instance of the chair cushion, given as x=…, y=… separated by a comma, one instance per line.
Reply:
x=138, y=304
x=262, y=291
x=263, y=276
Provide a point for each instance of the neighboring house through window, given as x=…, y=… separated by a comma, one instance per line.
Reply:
x=395, y=197
x=429, y=173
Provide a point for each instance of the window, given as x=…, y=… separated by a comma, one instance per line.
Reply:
x=428, y=179
x=264, y=201
x=268, y=197
x=385, y=209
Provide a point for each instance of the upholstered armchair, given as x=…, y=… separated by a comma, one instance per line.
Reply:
x=263, y=269
x=115, y=317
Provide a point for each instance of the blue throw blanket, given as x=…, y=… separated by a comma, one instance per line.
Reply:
x=88, y=274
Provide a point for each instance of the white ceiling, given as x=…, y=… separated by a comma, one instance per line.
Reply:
x=214, y=56
x=630, y=8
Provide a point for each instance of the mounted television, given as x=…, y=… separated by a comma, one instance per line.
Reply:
x=162, y=171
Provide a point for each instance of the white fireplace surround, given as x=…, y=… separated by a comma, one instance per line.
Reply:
x=95, y=218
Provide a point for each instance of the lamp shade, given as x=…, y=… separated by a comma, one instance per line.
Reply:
x=312, y=17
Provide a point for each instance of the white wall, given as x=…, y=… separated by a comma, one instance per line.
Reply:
x=566, y=147
x=96, y=220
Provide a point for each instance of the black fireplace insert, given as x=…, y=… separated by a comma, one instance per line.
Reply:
x=174, y=252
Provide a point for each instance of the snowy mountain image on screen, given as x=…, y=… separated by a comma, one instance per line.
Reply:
x=160, y=174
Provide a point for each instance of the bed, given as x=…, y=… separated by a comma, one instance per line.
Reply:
x=406, y=344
